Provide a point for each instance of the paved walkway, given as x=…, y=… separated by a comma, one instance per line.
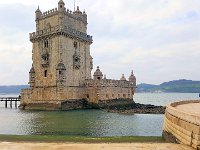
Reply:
x=83, y=146
x=190, y=108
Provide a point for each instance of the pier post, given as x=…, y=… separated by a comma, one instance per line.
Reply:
x=11, y=103
x=16, y=104
x=6, y=103
x=11, y=100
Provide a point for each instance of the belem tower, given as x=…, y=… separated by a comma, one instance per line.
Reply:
x=60, y=77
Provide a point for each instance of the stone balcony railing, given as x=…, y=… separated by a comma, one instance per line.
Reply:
x=108, y=83
x=62, y=30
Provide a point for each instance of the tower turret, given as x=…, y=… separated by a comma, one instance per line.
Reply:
x=132, y=78
x=61, y=6
x=78, y=13
x=32, y=77
x=38, y=14
x=85, y=17
x=123, y=78
x=98, y=75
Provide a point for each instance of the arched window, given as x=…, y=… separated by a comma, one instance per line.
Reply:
x=46, y=43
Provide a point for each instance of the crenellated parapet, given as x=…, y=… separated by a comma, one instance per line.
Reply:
x=59, y=30
x=104, y=82
x=48, y=13
x=77, y=15
x=108, y=83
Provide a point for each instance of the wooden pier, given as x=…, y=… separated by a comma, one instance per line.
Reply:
x=11, y=100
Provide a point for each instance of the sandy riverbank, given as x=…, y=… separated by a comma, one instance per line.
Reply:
x=84, y=146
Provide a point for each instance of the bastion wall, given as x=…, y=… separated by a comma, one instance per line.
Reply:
x=93, y=91
x=182, y=125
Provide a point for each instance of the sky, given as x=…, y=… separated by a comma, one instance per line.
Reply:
x=159, y=40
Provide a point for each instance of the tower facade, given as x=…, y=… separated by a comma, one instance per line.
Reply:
x=62, y=63
x=61, y=48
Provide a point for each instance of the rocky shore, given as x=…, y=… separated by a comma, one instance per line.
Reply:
x=126, y=106
x=130, y=107
x=139, y=109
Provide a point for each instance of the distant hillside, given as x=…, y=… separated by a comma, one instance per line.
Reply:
x=179, y=86
x=12, y=89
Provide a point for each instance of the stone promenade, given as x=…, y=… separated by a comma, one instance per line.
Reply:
x=83, y=146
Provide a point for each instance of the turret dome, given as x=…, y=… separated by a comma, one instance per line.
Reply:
x=132, y=77
x=123, y=78
x=98, y=74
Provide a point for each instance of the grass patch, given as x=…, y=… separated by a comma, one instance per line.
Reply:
x=48, y=138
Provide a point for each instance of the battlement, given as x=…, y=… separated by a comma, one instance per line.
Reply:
x=81, y=16
x=67, y=31
x=49, y=13
x=108, y=83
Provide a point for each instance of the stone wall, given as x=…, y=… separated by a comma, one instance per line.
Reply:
x=106, y=89
x=100, y=93
x=181, y=126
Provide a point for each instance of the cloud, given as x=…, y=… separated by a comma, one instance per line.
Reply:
x=15, y=49
x=158, y=39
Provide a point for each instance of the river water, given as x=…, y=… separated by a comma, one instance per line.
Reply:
x=93, y=123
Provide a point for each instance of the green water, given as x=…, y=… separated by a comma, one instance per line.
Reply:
x=95, y=123
x=78, y=123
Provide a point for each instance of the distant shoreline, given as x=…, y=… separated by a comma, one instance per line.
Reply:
x=175, y=86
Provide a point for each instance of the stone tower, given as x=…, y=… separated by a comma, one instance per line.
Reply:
x=61, y=48
x=60, y=77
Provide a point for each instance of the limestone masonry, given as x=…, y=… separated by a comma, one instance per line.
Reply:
x=60, y=77
x=182, y=123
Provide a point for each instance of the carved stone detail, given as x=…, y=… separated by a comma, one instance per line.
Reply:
x=45, y=59
x=76, y=61
x=60, y=30
x=61, y=73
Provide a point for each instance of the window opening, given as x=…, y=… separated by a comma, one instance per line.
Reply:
x=46, y=44
x=45, y=73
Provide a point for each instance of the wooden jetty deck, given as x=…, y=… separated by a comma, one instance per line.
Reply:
x=11, y=100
